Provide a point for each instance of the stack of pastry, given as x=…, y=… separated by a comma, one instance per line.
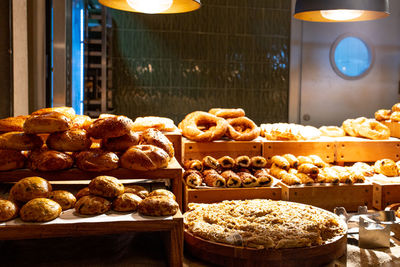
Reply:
x=54, y=138
x=227, y=172
x=289, y=131
x=389, y=114
x=312, y=169
x=219, y=122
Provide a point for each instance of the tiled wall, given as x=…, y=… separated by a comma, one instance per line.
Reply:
x=229, y=53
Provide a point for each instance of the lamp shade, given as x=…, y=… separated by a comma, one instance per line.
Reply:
x=341, y=10
x=177, y=6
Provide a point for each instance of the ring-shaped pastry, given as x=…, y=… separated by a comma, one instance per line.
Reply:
x=227, y=113
x=332, y=131
x=383, y=114
x=395, y=116
x=242, y=129
x=203, y=127
x=373, y=129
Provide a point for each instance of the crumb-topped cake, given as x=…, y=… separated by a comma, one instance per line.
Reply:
x=261, y=223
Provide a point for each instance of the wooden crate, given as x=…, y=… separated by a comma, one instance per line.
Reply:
x=176, y=139
x=324, y=149
x=352, y=149
x=212, y=195
x=385, y=194
x=198, y=150
x=330, y=196
x=394, y=128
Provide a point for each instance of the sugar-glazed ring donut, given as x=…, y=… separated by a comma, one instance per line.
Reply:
x=373, y=129
x=242, y=129
x=383, y=114
x=332, y=131
x=395, y=116
x=227, y=113
x=203, y=127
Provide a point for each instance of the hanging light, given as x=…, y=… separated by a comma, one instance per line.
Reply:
x=153, y=6
x=341, y=10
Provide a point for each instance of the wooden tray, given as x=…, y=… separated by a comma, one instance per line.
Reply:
x=198, y=150
x=385, y=194
x=394, y=128
x=212, y=195
x=329, y=196
x=324, y=149
x=227, y=255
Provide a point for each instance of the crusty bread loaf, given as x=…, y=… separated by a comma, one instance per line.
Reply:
x=49, y=160
x=71, y=140
x=144, y=158
x=11, y=160
x=47, y=123
x=109, y=127
x=12, y=124
x=97, y=160
x=156, y=138
x=20, y=141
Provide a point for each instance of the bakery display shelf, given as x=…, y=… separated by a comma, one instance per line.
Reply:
x=176, y=140
x=386, y=191
x=101, y=225
x=394, y=128
x=228, y=255
x=330, y=196
x=212, y=195
x=198, y=150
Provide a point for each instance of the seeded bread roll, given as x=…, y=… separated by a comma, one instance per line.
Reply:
x=71, y=140
x=106, y=186
x=8, y=210
x=13, y=124
x=29, y=188
x=66, y=111
x=162, y=192
x=47, y=123
x=97, y=160
x=158, y=206
x=92, y=205
x=137, y=190
x=156, y=138
x=11, y=160
x=20, y=141
x=110, y=127
x=49, y=160
x=126, y=202
x=144, y=158
x=121, y=143
x=66, y=199
x=40, y=210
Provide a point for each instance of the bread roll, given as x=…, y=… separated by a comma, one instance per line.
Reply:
x=47, y=123
x=226, y=162
x=137, y=190
x=144, y=158
x=20, y=141
x=110, y=127
x=258, y=162
x=193, y=178
x=248, y=180
x=81, y=122
x=121, y=143
x=83, y=192
x=162, y=192
x=11, y=160
x=158, y=206
x=243, y=161
x=97, y=160
x=13, y=124
x=126, y=202
x=29, y=188
x=66, y=111
x=49, y=160
x=156, y=138
x=40, y=210
x=106, y=186
x=92, y=205
x=232, y=179
x=193, y=165
x=66, y=199
x=210, y=163
x=71, y=140
x=159, y=123
x=8, y=210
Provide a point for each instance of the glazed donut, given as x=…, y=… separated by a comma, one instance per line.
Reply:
x=373, y=129
x=332, y=131
x=395, y=116
x=47, y=123
x=13, y=124
x=242, y=129
x=49, y=160
x=121, y=143
x=396, y=107
x=20, y=141
x=108, y=127
x=383, y=114
x=11, y=160
x=71, y=140
x=66, y=111
x=144, y=158
x=156, y=138
x=203, y=127
x=97, y=160
x=227, y=113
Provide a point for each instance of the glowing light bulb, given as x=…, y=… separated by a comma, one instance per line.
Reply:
x=150, y=6
x=341, y=14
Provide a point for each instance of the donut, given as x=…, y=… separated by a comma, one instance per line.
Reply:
x=47, y=123
x=395, y=116
x=13, y=124
x=144, y=158
x=242, y=129
x=11, y=160
x=396, y=107
x=106, y=186
x=383, y=114
x=332, y=131
x=108, y=127
x=373, y=129
x=71, y=140
x=121, y=143
x=20, y=141
x=227, y=113
x=97, y=160
x=203, y=127
x=156, y=138
x=49, y=160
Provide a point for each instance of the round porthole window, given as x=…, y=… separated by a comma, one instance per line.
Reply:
x=351, y=57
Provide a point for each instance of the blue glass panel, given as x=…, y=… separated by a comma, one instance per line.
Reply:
x=352, y=56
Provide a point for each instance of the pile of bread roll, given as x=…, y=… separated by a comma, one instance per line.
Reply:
x=227, y=172
x=33, y=199
x=208, y=126
x=389, y=114
x=53, y=139
x=289, y=131
x=308, y=170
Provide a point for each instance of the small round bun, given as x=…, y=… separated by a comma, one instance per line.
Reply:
x=383, y=114
x=92, y=205
x=156, y=138
x=13, y=124
x=162, y=192
x=386, y=167
x=144, y=158
x=11, y=160
x=64, y=198
x=121, y=143
x=109, y=127
x=8, y=210
x=29, y=188
x=126, y=202
x=40, y=210
x=81, y=122
x=158, y=206
x=47, y=123
x=106, y=186
x=137, y=190
x=71, y=140
x=97, y=160
x=83, y=192
x=49, y=160
x=20, y=141
x=66, y=111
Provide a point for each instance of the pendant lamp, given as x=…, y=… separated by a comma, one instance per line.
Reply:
x=153, y=6
x=341, y=10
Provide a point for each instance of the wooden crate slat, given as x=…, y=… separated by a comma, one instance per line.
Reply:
x=176, y=139
x=385, y=194
x=394, y=128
